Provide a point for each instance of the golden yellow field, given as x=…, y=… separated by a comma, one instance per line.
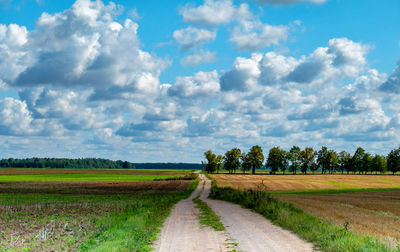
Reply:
x=372, y=213
x=306, y=182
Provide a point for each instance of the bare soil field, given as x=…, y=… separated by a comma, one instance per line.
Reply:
x=306, y=182
x=50, y=227
x=61, y=216
x=35, y=171
x=371, y=213
x=92, y=187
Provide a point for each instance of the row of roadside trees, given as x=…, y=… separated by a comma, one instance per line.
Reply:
x=306, y=160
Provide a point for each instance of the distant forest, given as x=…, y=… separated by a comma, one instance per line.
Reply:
x=83, y=163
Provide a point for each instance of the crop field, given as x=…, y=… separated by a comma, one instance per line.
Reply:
x=371, y=213
x=372, y=209
x=38, y=215
x=25, y=171
x=85, y=175
x=296, y=183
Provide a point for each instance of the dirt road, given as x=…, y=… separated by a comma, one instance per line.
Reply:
x=182, y=230
x=252, y=232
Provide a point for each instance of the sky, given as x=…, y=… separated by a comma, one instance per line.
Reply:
x=164, y=81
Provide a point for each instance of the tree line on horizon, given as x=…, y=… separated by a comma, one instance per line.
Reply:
x=306, y=160
x=83, y=163
x=79, y=163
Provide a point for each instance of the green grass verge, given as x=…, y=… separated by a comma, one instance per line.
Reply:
x=84, y=177
x=323, y=234
x=207, y=215
x=137, y=226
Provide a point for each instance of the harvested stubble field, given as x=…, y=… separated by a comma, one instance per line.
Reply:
x=76, y=215
x=283, y=183
x=371, y=213
x=375, y=213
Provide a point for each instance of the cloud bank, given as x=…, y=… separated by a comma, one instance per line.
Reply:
x=86, y=85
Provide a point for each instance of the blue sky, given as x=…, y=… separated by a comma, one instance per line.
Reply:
x=167, y=80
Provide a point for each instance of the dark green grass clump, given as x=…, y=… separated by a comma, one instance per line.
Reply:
x=207, y=215
x=325, y=235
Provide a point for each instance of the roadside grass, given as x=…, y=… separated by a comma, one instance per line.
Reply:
x=136, y=227
x=84, y=177
x=376, y=214
x=323, y=234
x=207, y=215
x=80, y=222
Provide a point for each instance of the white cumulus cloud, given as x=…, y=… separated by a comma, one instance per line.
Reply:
x=190, y=37
x=198, y=58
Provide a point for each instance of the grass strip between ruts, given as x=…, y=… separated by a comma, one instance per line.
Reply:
x=323, y=234
x=207, y=215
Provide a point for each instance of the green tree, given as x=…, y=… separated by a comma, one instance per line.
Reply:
x=276, y=159
x=379, y=164
x=294, y=159
x=393, y=160
x=232, y=160
x=285, y=160
x=307, y=159
x=256, y=158
x=333, y=161
x=220, y=163
x=356, y=160
x=344, y=161
x=323, y=159
x=366, y=163
x=246, y=164
x=211, y=165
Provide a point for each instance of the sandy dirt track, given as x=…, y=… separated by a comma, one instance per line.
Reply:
x=252, y=232
x=182, y=230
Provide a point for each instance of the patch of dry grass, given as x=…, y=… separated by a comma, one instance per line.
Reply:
x=306, y=182
x=371, y=213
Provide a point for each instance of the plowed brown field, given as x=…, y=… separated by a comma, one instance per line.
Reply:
x=92, y=187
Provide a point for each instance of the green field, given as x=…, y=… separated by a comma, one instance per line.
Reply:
x=83, y=177
x=82, y=220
